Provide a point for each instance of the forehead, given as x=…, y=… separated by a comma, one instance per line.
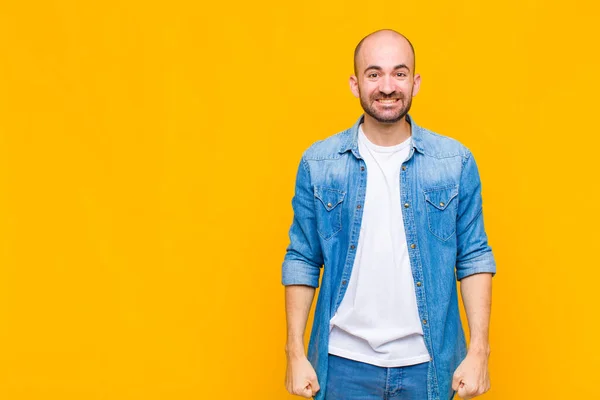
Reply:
x=385, y=52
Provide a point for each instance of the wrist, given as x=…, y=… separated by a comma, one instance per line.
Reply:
x=479, y=350
x=294, y=350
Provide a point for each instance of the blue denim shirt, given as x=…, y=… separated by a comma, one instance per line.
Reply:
x=443, y=221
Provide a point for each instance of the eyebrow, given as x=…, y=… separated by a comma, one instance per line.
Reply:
x=378, y=68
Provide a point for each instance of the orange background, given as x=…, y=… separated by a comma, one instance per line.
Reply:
x=147, y=160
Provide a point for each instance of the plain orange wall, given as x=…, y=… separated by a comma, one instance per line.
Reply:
x=147, y=160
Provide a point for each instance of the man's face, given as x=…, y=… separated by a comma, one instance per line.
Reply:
x=385, y=82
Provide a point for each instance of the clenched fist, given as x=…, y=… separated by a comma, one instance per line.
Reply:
x=300, y=377
x=471, y=378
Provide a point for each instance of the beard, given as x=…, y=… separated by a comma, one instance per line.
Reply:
x=387, y=116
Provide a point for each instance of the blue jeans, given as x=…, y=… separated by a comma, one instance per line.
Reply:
x=354, y=380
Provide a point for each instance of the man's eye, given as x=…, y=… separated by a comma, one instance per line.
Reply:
x=373, y=75
x=401, y=74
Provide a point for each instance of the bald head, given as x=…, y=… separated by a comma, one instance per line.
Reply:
x=383, y=37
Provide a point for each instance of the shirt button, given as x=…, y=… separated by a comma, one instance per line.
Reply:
x=328, y=205
x=352, y=247
x=419, y=283
x=404, y=168
x=412, y=246
x=358, y=206
x=441, y=204
x=405, y=205
x=362, y=168
x=344, y=282
x=424, y=322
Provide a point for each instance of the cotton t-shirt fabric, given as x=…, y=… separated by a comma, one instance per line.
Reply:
x=377, y=321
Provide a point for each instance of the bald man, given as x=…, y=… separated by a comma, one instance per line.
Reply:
x=393, y=214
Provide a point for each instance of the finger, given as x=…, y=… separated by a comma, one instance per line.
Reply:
x=314, y=383
x=456, y=382
x=307, y=392
x=303, y=391
x=468, y=392
x=472, y=390
x=315, y=389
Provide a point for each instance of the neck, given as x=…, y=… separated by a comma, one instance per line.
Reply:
x=386, y=134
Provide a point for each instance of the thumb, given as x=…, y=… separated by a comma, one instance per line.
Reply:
x=307, y=392
x=314, y=384
x=462, y=392
x=456, y=381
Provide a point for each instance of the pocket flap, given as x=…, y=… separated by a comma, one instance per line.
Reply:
x=329, y=197
x=441, y=197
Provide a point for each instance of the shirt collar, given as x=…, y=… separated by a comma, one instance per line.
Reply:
x=351, y=140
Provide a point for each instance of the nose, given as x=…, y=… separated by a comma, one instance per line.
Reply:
x=386, y=86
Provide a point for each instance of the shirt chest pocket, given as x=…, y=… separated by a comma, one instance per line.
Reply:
x=328, y=205
x=442, y=204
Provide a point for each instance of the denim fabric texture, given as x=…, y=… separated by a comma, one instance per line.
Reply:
x=354, y=380
x=443, y=221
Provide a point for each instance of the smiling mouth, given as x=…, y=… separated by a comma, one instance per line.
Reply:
x=387, y=101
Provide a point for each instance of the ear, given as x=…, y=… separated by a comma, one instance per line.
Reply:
x=416, y=84
x=354, y=86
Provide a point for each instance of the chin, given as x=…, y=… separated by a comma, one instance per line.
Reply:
x=389, y=119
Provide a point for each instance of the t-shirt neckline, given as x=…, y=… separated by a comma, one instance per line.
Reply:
x=381, y=149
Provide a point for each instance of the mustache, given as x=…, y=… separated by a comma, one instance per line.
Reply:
x=390, y=96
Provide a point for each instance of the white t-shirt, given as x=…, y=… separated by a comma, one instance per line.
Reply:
x=377, y=321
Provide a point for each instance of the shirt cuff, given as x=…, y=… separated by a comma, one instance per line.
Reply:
x=484, y=263
x=299, y=273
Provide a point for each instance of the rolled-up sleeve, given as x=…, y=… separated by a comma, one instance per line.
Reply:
x=474, y=255
x=303, y=259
